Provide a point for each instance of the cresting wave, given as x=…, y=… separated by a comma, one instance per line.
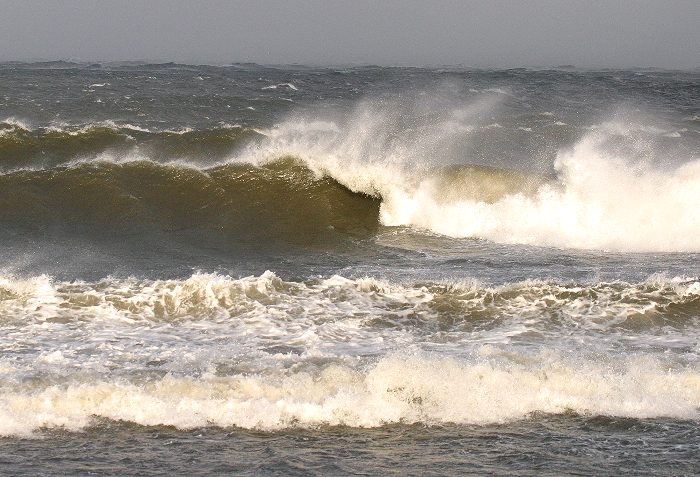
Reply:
x=599, y=198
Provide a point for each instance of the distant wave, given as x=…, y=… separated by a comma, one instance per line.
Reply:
x=24, y=147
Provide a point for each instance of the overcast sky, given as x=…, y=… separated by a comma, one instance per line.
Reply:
x=488, y=33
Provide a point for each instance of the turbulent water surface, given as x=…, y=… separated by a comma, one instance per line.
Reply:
x=290, y=270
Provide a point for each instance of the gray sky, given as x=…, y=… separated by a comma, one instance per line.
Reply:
x=496, y=33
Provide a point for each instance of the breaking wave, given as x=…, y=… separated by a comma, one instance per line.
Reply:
x=396, y=390
x=601, y=195
x=318, y=174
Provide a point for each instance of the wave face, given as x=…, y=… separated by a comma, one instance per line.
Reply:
x=264, y=353
x=282, y=200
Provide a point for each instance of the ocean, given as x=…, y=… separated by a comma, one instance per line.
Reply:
x=356, y=270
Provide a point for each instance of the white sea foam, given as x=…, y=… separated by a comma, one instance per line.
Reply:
x=183, y=130
x=397, y=389
x=209, y=333
x=498, y=91
x=281, y=85
x=133, y=127
x=601, y=199
x=14, y=124
x=76, y=130
x=222, y=297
